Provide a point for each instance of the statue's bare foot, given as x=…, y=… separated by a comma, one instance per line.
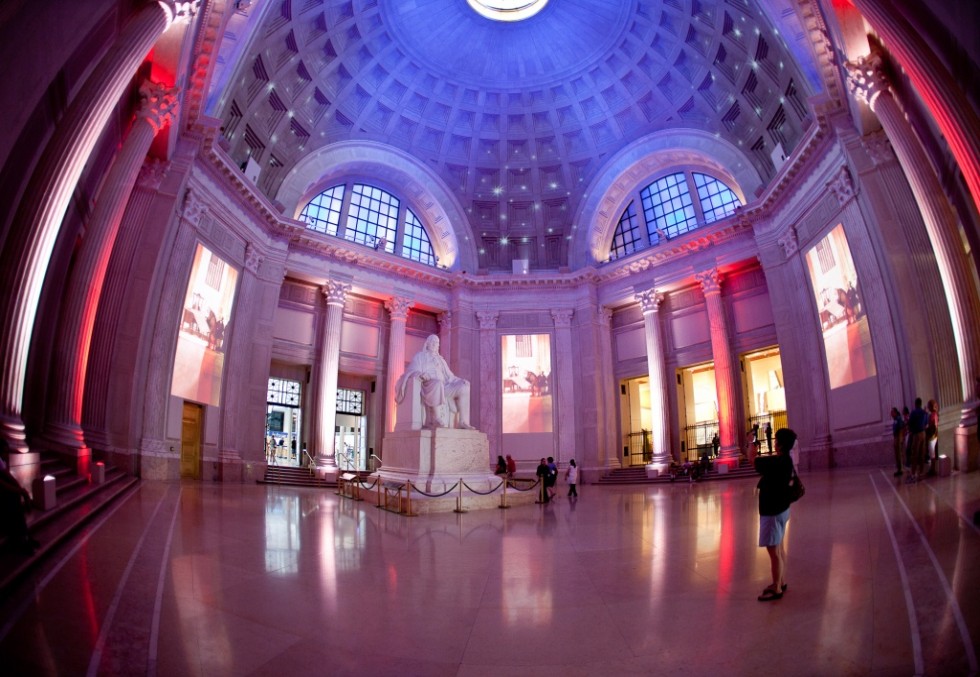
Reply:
x=466, y=426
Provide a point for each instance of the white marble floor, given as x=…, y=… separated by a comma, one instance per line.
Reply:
x=201, y=579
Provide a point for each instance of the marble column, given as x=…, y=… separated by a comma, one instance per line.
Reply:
x=565, y=385
x=37, y=222
x=868, y=82
x=724, y=359
x=650, y=301
x=941, y=94
x=335, y=294
x=84, y=287
x=489, y=380
x=398, y=312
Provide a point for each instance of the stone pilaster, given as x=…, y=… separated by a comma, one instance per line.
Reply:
x=489, y=379
x=565, y=384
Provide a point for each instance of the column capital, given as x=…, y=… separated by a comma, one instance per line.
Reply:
x=253, y=259
x=152, y=173
x=159, y=104
x=181, y=9
x=398, y=307
x=335, y=292
x=605, y=315
x=842, y=186
x=789, y=242
x=878, y=147
x=650, y=300
x=866, y=78
x=710, y=281
x=445, y=319
x=488, y=319
x=562, y=316
x=194, y=208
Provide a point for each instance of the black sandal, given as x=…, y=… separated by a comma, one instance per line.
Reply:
x=769, y=595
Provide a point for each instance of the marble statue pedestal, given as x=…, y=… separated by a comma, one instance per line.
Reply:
x=435, y=461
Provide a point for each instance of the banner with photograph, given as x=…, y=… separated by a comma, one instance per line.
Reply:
x=208, y=305
x=526, y=387
x=843, y=317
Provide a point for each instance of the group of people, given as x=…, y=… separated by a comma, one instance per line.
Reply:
x=915, y=439
x=547, y=472
x=754, y=442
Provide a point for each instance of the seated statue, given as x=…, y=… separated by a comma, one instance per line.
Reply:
x=445, y=396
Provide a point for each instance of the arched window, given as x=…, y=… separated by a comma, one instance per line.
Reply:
x=374, y=218
x=669, y=211
x=322, y=214
x=667, y=206
x=627, y=238
x=416, y=244
x=717, y=199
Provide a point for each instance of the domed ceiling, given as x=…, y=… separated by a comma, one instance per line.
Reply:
x=516, y=118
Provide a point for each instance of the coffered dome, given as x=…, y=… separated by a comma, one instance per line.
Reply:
x=514, y=119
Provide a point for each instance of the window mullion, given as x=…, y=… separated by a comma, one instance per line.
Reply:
x=692, y=189
x=345, y=211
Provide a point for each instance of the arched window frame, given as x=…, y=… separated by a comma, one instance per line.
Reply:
x=369, y=214
x=670, y=187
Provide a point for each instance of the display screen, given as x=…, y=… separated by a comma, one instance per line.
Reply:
x=843, y=317
x=526, y=387
x=199, y=359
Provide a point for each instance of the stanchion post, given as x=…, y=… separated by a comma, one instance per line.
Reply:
x=503, y=498
x=459, y=499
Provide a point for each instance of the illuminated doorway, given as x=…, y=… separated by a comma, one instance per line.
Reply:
x=191, y=425
x=283, y=441
x=636, y=421
x=697, y=405
x=350, y=441
x=765, y=395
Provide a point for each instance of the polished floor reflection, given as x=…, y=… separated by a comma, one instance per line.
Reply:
x=199, y=579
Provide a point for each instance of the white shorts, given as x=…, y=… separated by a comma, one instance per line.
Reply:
x=772, y=528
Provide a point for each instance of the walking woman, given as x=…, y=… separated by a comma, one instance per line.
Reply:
x=777, y=472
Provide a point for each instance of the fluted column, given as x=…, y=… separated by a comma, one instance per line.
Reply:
x=650, y=301
x=335, y=294
x=85, y=282
x=489, y=379
x=868, y=81
x=940, y=93
x=398, y=311
x=565, y=383
x=721, y=353
x=38, y=219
